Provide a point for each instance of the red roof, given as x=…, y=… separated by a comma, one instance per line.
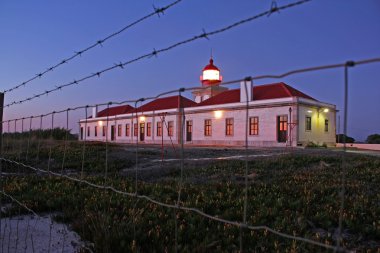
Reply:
x=211, y=66
x=267, y=91
x=112, y=111
x=166, y=103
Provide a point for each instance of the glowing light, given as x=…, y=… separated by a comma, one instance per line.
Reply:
x=100, y=123
x=218, y=114
x=211, y=74
x=326, y=110
x=309, y=111
x=142, y=118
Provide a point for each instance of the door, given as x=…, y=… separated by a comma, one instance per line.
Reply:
x=142, y=131
x=112, y=133
x=282, y=128
x=189, y=130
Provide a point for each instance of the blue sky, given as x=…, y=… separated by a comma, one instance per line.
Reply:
x=37, y=34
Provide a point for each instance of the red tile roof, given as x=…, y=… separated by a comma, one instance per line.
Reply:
x=166, y=103
x=112, y=111
x=267, y=91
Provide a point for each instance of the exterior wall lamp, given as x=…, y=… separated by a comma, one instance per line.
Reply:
x=142, y=118
x=218, y=114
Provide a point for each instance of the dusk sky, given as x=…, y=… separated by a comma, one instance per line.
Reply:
x=38, y=34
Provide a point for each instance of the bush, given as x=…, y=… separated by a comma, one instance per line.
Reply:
x=340, y=138
x=57, y=134
x=373, y=139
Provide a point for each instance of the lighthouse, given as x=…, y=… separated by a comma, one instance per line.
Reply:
x=210, y=79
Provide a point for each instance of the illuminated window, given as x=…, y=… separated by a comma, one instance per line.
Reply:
x=308, y=123
x=254, y=126
x=208, y=127
x=159, y=128
x=127, y=129
x=170, y=128
x=326, y=125
x=104, y=130
x=135, y=129
x=148, y=129
x=211, y=74
x=282, y=128
x=118, y=130
x=88, y=131
x=96, y=131
x=229, y=126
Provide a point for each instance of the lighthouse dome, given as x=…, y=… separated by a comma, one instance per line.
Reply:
x=211, y=74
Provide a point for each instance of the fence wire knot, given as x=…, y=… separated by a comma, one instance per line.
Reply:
x=159, y=11
x=204, y=34
x=273, y=8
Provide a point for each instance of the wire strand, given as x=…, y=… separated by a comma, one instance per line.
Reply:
x=153, y=53
x=248, y=78
x=174, y=206
x=100, y=42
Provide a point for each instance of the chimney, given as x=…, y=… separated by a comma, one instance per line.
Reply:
x=94, y=112
x=246, y=91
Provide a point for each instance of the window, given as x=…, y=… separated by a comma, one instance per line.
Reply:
x=208, y=127
x=308, y=123
x=326, y=125
x=96, y=131
x=148, y=129
x=135, y=129
x=229, y=126
x=170, y=128
x=159, y=128
x=254, y=126
x=127, y=129
x=81, y=133
x=88, y=131
x=282, y=128
x=189, y=130
x=118, y=130
x=104, y=130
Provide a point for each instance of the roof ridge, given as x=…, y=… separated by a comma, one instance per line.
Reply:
x=286, y=87
x=267, y=84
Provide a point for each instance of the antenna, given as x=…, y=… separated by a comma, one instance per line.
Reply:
x=211, y=52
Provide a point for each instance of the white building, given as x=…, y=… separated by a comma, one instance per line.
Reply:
x=278, y=115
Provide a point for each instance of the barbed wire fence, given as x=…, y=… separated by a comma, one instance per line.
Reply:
x=16, y=152
x=122, y=65
x=98, y=43
x=27, y=152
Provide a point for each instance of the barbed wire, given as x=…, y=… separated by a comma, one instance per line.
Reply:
x=241, y=225
x=176, y=207
x=248, y=78
x=19, y=203
x=203, y=35
x=157, y=11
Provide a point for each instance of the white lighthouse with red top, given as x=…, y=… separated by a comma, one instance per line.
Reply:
x=210, y=79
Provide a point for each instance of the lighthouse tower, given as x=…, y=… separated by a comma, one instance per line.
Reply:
x=210, y=80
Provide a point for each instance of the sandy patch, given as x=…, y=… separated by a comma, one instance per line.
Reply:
x=29, y=233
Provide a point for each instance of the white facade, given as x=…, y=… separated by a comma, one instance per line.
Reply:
x=278, y=122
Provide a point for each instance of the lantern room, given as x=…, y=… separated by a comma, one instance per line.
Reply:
x=210, y=75
x=210, y=79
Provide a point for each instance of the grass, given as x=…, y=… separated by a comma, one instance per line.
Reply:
x=294, y=194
